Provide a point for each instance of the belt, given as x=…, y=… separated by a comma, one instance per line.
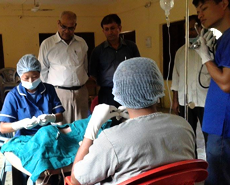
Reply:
x=69, y=88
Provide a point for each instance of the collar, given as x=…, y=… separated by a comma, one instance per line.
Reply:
x=122, y=42
x=57, y=38
x=23, y=92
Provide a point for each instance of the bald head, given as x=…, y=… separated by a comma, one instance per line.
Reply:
x=67, y=25
x=68, y=15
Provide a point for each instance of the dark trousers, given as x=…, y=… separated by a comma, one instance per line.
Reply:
x=193, y=116
x=218, y=158
x=105, y=96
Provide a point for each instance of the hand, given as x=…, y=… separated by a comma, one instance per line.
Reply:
x=175, y=107
x=203, y=51
x=101, y=114
x=123, y=113
x=44, y=119
x=26, y=123
x=209, y=38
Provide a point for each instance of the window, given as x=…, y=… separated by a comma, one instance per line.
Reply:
x=177, y=39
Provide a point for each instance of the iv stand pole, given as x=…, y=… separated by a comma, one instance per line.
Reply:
x=186, y=61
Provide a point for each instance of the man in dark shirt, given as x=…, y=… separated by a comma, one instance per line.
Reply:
x=108, y=55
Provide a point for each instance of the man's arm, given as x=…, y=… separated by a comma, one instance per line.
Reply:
x=175, y=105
x=175, y=82
x=100, y=115
x=44, y=64
x=220, y=75
x=82, y=151
x=94, y=64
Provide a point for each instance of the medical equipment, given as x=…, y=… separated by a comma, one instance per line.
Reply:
x=205, y=87
x=196, y=44
x=167, y=5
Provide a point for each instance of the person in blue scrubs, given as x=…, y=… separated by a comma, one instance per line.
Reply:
x=216, y=121
x=32, y=104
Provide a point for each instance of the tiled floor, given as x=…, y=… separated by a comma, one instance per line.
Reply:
x=200, y=151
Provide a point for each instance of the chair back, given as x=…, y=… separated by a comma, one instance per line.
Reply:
x=8, y=74
x=179, y=173
x=8, y=80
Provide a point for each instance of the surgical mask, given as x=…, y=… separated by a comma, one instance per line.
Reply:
x=192, y=40
x=31, y=86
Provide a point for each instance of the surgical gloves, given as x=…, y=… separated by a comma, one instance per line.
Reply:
x=123, y=113
x=26, y=123
x=44, y=119
x=209, y=38
x=101, y=114
x=206, y=43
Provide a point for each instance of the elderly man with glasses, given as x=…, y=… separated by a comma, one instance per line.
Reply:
x=63, y=58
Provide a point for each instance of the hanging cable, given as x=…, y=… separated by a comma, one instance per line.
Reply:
x=167, y=79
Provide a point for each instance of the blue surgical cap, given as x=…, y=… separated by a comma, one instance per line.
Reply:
x=28, y=63
x=138, y=83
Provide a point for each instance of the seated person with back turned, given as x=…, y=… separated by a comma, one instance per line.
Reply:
x=147, y=140
x=30, y=105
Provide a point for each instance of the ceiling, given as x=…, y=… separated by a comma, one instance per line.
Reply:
x=66, y=2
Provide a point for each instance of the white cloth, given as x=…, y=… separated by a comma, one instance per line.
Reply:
x=63, y=64
x=135, y=146
x=196, y=93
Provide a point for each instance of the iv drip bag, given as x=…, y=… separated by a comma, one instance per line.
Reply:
x=166, y=5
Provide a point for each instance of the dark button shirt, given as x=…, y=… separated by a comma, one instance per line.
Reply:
x=105, y=59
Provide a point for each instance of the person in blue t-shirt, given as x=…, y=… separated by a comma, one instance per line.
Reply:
x=32, y=104
x=216, y=121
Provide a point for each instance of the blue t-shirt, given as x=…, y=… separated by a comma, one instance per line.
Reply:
x=19, y=104
x=217, y=107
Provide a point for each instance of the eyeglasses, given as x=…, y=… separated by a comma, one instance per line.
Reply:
x=65, y=27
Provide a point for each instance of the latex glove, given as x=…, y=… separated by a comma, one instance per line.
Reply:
x=209, y=38
x=101, y=114
x=44, y=119
x=26, y=123
x=123, y=113
x=203, y=51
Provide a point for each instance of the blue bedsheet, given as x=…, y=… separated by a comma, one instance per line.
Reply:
x=49, y=148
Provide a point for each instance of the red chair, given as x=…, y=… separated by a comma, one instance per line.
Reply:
x=179, y=173
x=93, y=104
x=68, y=180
